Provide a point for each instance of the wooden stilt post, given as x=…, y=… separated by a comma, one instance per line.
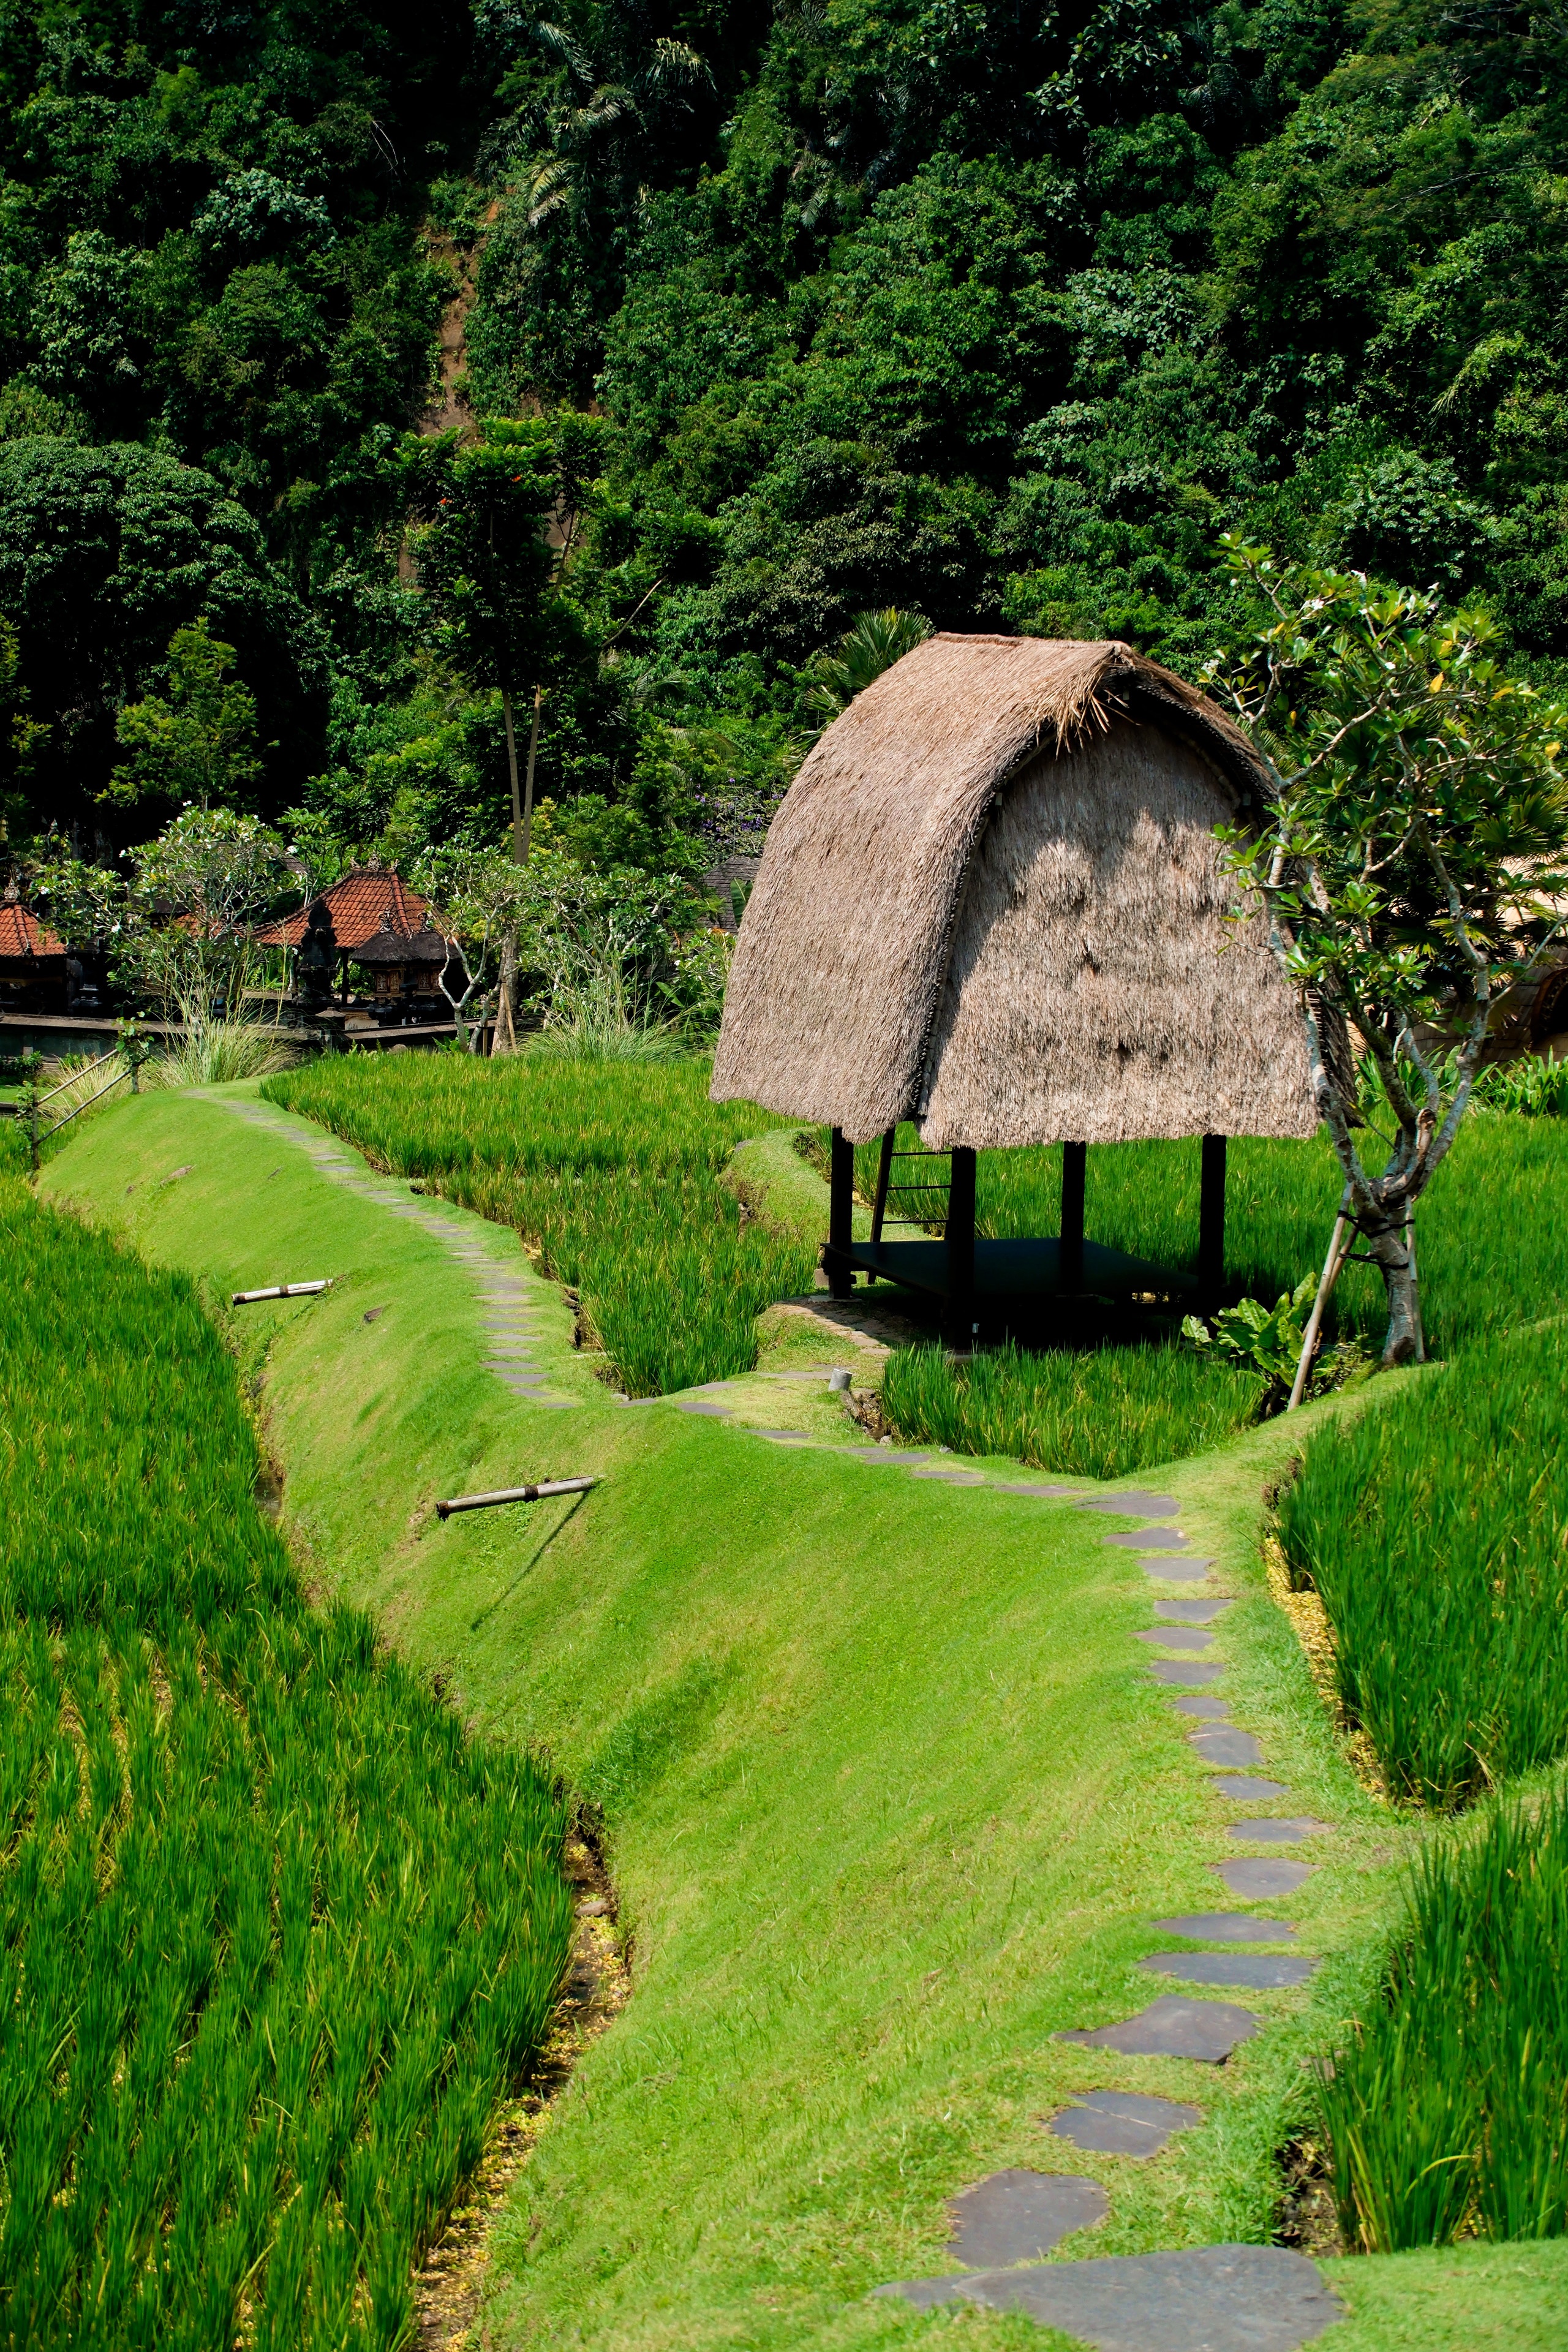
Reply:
x=840, y=1216
x=960, y=1237
x=1069, y=1247
x=1331, y=1264
x=884, y=1171
x=1211, y=1223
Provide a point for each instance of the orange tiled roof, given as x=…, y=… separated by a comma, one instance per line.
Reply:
x=22, y=934
x=360, y=904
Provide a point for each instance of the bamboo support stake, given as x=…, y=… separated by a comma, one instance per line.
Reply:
x=279, y=1290
x=514, y=1495
x=1331, y=1264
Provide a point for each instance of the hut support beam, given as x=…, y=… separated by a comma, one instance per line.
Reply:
x=960, y=1237
x=884, y=1171
x=1211, y=1222
x=1069, y=1247
x=840, y=1216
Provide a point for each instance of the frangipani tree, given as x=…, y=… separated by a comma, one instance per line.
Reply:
x=477, y=898
x=1418, y=837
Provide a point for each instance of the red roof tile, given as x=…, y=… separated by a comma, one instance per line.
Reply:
x=360, y=904
x=22, y=934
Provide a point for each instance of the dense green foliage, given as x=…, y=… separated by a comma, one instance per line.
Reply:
x=274, y=1933
x=1446, y=2112
x=612, y=1168
x=1434, y=1531
x=1095, y=1413
x=997, y=313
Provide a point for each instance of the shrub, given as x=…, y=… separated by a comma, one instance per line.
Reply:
x=1435, y=1532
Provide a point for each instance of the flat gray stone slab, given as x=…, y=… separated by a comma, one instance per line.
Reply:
x=1189, y=1613
x=1287, y=1830
x=1262, y=1875
x=782, y=1436
x=881, y=1453
x=1213, y=1710
x=1019, y=2217
x=1134, y=1504
x=1226, y=1746
x=1214, y=2299
x=1226, y=1928
x=1178, y=1670
x=557, y=1405
x=1122, y=2123
x=1172, y=2027
x=1177, y=1637
x=948, y=1477
x=716, y=1412
x=1243, y=1791
x=1149, y=1539
x=1180, y=1571
x=1259, y=1971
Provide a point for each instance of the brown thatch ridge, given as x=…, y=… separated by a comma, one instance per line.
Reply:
x=992, y=901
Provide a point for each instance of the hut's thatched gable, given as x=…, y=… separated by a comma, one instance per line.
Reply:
x=992, y=901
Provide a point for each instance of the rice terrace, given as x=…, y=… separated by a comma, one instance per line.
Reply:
x=783, y=1178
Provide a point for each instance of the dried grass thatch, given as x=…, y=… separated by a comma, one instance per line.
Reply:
x=992, y=902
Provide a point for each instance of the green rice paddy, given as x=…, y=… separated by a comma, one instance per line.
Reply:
x=275, y=1935
x=1446, y=2109
x=611, y=1169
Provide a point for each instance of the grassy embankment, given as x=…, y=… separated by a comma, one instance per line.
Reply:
x=889, y=1797
x=276, y=1936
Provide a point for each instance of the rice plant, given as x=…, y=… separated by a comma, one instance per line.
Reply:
x=1435, y=1532
x=1095, y=1413
x=1447, y=2112
x=612, y=1168
x=274, y=1933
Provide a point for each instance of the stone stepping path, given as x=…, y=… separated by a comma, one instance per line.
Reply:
x=1214, y=1710
x=1252, y=1877
x=1190, y=1613
x=1149, y=1539
x=1226, y=1746
x=1213, y=2299
x=1177, y=1637
x=507, y=1290
x=1019, y=2217
x=1259, y=1971
x=1122, y=2123
x=1242, y=1789
x=1182, y=1671
x=1287, y=1832
x=1226, y=1928
x=1133, y=1505
x=1207, y=2030
x=1179, y=1571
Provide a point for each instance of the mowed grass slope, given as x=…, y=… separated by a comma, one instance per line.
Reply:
x=889, y=1796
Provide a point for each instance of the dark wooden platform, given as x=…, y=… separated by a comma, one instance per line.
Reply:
x=1018, y=1273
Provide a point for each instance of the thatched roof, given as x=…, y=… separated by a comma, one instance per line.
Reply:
x=992, y=902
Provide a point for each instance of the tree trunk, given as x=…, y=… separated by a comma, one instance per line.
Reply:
x=528, y=786
x=1393, y=1252
x=504, y=1040
x=519, y=847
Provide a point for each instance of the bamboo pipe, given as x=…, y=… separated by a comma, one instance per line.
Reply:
x=515, y=1495
x=1332, y=1265
x=278, y=1290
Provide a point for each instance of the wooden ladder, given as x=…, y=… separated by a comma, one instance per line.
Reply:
x=886, y=1190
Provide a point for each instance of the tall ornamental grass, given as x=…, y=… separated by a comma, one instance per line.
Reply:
x=1435, y=1532
x=613, y=1169
x=1094, y=1412
x=273, y=1934
x=1448, y=2110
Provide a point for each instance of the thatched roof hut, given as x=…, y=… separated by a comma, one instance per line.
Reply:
x=992, y=903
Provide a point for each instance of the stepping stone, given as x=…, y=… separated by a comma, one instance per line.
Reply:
x=776, y=1436
x=1177, y=1670
x=1122, y=2123
x=1177, y=1637
x=1213, y=2299
x=1259, y=1971
x=1149, y=1539
x=1172, y=2027
x=881, y=1453
x=1132, y=1503
x=950, y=1477
x=1236, y=1786
x=1019, y=2217
x=1226, y=1746
x=1190, y=1613
x=1260, y=1874
x=1286, y=1831
x=1226, y=1928
x=719, y=1412
x=1217, y=1710
x=1180, y=1571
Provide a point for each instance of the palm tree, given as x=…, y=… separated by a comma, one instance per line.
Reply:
x=873, y=643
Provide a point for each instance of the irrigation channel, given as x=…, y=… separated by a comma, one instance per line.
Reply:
x=1220, y=2298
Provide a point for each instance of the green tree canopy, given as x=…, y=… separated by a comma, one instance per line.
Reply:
x=194, y=743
